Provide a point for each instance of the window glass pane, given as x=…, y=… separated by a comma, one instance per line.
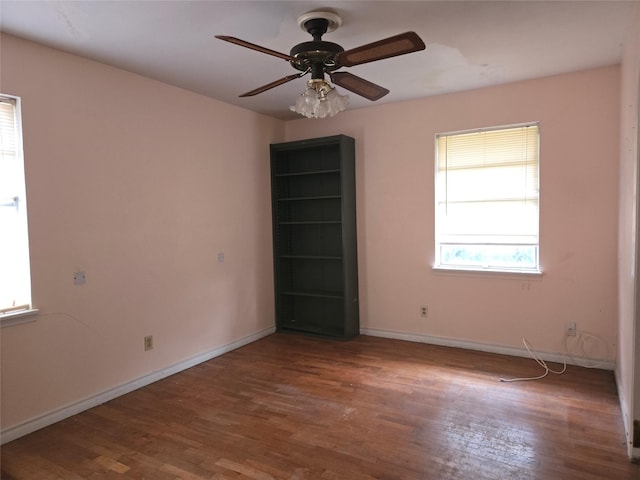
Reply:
x=488, y=256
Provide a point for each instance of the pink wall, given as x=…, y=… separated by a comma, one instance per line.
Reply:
x=139, y=184
x=628, y=361
x=579, y=119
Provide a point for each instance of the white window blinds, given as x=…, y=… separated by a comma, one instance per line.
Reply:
x=487, y=193
x=15, y=281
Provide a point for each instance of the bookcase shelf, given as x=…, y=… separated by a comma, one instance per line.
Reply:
x=314, y=236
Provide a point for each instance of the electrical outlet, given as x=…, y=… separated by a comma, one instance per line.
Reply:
x=570, y=329
x=79, y=278
x=424, y=311
x=148, y=343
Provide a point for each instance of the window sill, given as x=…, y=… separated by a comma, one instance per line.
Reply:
x=20, y=316
x=535, y=274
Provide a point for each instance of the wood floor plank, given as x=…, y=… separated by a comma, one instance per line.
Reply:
x=295, y=408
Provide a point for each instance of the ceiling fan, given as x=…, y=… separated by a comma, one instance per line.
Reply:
x=318, y=57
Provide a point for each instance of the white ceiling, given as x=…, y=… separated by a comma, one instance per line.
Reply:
x=470, y=44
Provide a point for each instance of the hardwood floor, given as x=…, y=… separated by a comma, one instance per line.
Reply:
x=295, y=408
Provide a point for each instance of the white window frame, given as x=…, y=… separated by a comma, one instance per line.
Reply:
x=17, y=306
x=459, y=246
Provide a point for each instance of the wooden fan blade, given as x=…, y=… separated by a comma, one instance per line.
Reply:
x=271, y=85
x=359, y=85
x=253, y=46
x=407, y=42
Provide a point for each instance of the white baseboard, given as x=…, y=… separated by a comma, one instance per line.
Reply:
x=36, y=423
x=626, y=423
x=633, y=453
x=481, y=347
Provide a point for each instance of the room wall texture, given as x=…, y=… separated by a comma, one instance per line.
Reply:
x=140, y=185
x=579, y=121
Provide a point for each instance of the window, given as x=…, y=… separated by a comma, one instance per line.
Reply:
x=487, y=195
x=15, y=281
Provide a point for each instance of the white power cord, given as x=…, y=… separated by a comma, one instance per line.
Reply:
x=540, y=362
x=581, y=339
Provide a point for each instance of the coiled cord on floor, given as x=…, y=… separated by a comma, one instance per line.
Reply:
x=540, y=362
x=581, y=339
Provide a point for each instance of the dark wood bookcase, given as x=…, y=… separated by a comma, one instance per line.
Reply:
x=314, y=236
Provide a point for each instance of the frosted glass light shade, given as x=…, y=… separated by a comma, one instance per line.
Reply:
x=320, y=100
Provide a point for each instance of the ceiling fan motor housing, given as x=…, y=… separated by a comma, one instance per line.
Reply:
x=317, y=55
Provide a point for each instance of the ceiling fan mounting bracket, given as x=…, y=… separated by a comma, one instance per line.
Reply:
x=333, y=21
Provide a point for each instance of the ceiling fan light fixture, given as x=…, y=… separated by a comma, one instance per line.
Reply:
x=320, y=100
